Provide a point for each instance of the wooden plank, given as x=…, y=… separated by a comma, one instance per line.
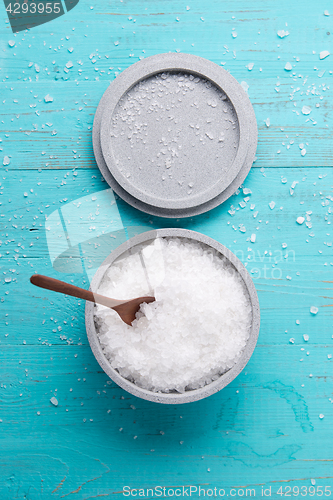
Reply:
x=264, y=429
x=43, y=142
x=57, y=134
x=291, y=264
x=96, y=421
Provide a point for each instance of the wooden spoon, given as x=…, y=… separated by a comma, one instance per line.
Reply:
x=125, y=308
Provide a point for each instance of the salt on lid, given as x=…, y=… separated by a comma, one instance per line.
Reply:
x=167, y=147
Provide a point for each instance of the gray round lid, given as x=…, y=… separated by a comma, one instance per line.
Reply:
x=174, y=131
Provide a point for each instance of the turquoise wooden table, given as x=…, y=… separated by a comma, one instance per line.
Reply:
x=270, y=432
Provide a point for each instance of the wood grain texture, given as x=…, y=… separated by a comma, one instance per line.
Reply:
x=264, y=429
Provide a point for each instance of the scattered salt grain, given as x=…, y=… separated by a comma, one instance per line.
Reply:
x=6, y=161
x=48, y=98
x=306, y=337
x=271, y=205
x=321, y=416
x=313, y=310
x=11, y=43
x=54, y=401
x=300, y=220
x=288, y=66
x=323, y=54
x=326, y=13
x=268, y=122
x=253, y=238
x=303, y=152
x=282, y=33
x=245, y=86
x=306, y=110
x=195, y=330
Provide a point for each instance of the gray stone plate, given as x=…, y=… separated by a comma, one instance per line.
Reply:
x=190, y=395
x=174, y=160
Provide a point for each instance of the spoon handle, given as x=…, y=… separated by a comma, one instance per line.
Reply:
x=75, y=291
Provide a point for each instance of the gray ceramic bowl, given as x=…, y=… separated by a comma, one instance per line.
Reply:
x=190, y=395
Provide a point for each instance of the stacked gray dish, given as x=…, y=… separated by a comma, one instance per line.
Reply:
x=174, y=135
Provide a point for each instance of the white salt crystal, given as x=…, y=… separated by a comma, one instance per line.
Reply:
x=306, y=337
x=300, y=220
x=6, y=161
x=245, y=86
x=323, y=54
x=54, y=401
x=195, y=330
x=247, y=191
x=250, y=66
x=69, y=64
x=253, y=238
x=268, y=122
x=306, y=110
x=313, y=310
x=303, y=152
x=271, y=205
x=11, y=43
x=321, y=416
x=48, y=98
x=282, y=33
x=326, y=13
x=288, y=66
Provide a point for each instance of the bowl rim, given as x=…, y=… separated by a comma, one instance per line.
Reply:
x=191, y=395
x=203, y=68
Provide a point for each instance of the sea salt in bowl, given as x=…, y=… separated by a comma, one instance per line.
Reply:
x=198, y=334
